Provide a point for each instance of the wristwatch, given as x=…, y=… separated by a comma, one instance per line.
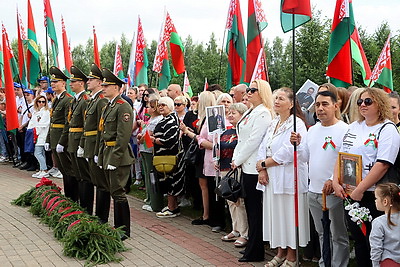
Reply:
x=263, y=165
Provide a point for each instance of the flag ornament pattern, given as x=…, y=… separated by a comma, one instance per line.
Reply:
x=21, y=54
x=300, y=9
x=260, y=70
x=382, y=72
x=141, y=60
x=162, y=51
x=118, y=69
x=32, y=53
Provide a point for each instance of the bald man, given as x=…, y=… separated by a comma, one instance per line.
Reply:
x=175, y=90
x=239, y=91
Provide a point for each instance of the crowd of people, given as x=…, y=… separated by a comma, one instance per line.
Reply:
x=108, y=134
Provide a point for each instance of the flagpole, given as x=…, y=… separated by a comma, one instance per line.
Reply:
x=47, y=52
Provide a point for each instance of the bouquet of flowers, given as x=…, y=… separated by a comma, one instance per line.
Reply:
x=358, y=214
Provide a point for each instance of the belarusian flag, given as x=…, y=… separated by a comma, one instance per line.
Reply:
x=382, y=72
x=256, y=23
x=301, y=9
x=96, y=54
x=11, y=107
x=118, y=69
x=345, y=45
x=67, y=55
x=141, y=60
x=51, y=30
x=130, y=74
x=176, y=47
x=260, y=70
x=186, y=85
x=32, y=54
x=21, y=54
x=235, y=45
x=147, y=140
x=161, y=62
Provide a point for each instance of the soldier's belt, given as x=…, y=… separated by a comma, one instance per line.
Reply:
x=57, y=125
x=110, y=143
x=90, y=133
x=75, y=130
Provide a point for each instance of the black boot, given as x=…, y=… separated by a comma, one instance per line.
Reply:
x=102, y=205
x=122, y=217
x=71, y=187
x=86, y=196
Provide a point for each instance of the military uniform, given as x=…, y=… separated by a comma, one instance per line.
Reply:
x=115, y=125
x=88, y=143
x=58, y=134
x=79, y=164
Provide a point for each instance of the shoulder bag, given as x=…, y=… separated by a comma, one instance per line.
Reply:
x=229, y=187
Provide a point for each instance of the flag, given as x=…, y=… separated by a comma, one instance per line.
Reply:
x=256, y=23
x=161, y=62
x=301, y=9
x=118, y=69
x=382, y=72
x=260, y=70
x=11, y=107
x=32, y=53
x=147, y=140
x=96, y=54
x=176, y=47
x=67, y=49
x=1, y=67
x=141, y=60
x=205, y=85
x=345, y=45
x=235, y=45
x=131, y=65
x=186, y=85
x=21, y=54
x=51, y=30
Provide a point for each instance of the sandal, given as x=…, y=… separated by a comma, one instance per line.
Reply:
x=240, y=242
x=287, y=263
x=232, y=236
x=276, y=261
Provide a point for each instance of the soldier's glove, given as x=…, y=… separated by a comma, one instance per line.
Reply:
x=59, y=148
x=111, y=167
x=80, y=152
x=47, y=147
x=96, y=159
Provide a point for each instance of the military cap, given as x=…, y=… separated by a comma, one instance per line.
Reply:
x=95, y=72
x=57, y=75
x=77, y=75
x=109, y=78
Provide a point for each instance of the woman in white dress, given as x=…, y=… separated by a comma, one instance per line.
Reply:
x=276, y=172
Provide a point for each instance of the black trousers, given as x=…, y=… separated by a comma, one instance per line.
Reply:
x=217, y=207
x=253, y=204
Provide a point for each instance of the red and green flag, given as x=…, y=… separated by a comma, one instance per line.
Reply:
x=141, y=60
x=67, y=54
x=1, y=67
x=256, y=23
x=260, y=71
x=161, y=62
x=11, y=107
x=147, y=141
x=51, y=30
x=300, y=9
x=186, y=85
x=176, y=47
x=235, y=45
x=382, y=72
x=96, y=54
x=345, y=45
x=21, y=52
x=118, y=69
x=32, y=53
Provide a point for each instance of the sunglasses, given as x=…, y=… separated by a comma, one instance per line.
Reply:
x=368, y=101
x=146, y=95
x=251, y=90
x=40, y=101
x=178, y=104
x=162, y=105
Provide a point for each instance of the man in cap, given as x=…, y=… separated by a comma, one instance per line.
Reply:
x=75, y=119
x=43, y=84
x=18, y=139
x=88, y=142
x=57, y=138
x=115, y=152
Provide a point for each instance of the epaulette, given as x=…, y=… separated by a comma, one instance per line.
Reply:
x=68, y=94
x=120, y=101
x=85, y=97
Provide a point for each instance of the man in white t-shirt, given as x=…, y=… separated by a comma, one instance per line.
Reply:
x=320, y=148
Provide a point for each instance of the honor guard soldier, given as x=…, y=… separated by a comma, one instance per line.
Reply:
x=115, y=153
x=76, y=116
x=88, y=142
x=57, y=138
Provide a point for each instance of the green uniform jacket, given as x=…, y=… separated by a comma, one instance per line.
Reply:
x=58, y=117
x=92, y=118
x=76, y=119
x=117, y=120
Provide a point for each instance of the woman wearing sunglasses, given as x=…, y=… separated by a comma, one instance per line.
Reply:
x=180, y=103
x=378, y=144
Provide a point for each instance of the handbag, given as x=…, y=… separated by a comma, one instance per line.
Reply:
x=164, y=164
x=191, y=155
x=229, y=187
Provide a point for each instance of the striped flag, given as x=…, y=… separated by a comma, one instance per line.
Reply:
x=51, y=31
x=21, y=54
x=32, y=53
x=382, y=72
x=186, y=85
x=141, y=60
x=96, y=54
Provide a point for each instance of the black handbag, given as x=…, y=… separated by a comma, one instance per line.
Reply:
x=191, y=155
x=229, y=187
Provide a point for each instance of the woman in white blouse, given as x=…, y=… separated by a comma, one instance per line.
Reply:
x=276, y=172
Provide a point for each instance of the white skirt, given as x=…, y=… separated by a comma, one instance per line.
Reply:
x=279, y=219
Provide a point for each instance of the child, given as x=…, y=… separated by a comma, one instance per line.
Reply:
x=385, y=233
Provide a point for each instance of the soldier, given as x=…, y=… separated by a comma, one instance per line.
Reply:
x=75, y=121
x=115, y=153
x=57, y=138
x=88, y=142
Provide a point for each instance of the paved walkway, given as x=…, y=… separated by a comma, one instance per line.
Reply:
x=24, y=241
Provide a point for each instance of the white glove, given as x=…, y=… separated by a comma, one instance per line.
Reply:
x=111, y=167
x=47, y=147
x=96, y=159
x=80, y=152
x=59, y=148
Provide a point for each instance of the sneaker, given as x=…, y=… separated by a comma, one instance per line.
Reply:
x=137, y=182
x=147, y=207
x=40, y=174
x=216, y=229
x=3, y=159
x=58, y=175
x=185, y=203
x=164, y=209
x=36, y=175
x=168, y=213
x=53, y=170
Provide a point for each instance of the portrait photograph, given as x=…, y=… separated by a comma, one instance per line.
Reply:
x=215, y=116
x=306, y=95
x=216, y=146
x=349, y=171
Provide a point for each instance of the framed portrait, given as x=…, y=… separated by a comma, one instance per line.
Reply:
x=216, y=146
x=306, y=94
x=350, y=171
x=215, y=116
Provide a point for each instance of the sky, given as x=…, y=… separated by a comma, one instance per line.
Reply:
x=198, y=18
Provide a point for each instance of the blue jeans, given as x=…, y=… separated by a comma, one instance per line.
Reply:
x=41, y=157
x=3, y=140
